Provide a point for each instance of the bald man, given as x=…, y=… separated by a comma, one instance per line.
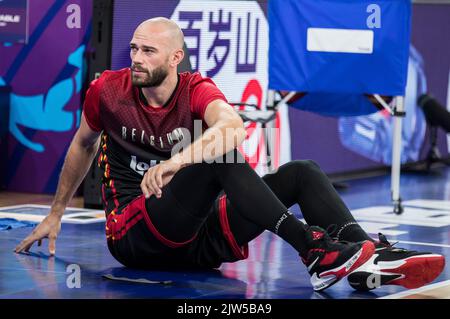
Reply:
x=198, y=205
x=159, y=60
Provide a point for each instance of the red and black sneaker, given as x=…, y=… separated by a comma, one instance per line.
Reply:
x=329, y=261
x=396, y=266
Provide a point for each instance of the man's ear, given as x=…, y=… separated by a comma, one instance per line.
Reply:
x=177, y=57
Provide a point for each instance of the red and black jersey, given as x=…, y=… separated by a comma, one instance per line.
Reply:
x=136, y=135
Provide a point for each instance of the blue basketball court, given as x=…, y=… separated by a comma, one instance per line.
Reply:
x=272, y=271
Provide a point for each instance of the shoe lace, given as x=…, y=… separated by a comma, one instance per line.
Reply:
x=383, y=240
x=332, y=229
x=327, y=240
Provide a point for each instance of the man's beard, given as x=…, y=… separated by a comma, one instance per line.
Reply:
x=155, y=78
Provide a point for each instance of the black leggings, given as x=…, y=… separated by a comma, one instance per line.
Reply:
x=252, y=204
x=301, y=182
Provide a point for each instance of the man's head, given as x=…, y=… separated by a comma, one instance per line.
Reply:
x=155, y=50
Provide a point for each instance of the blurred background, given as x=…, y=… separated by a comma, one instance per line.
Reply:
x=51, y=49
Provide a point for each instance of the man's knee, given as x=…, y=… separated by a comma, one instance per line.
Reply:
x=306, y=166
x=297, y=168
x=306, y=171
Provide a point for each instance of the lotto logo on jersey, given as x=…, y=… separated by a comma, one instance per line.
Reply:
x=142, y=167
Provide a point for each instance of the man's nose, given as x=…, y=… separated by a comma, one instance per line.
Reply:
x=137, y=57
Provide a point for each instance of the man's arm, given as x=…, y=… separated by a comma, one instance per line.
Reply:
x=77, y=162
x=225, y=132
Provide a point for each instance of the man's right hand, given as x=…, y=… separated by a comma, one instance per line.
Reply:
x=48, y=228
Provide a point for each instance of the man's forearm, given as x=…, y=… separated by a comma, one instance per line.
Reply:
x=214, y=142
x=76, y=165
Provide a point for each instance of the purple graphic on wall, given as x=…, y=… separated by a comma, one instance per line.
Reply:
x=14, y=21
x=46, y=77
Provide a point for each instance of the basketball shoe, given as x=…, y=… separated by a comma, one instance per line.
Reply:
x=396, y=266
x=328, y=261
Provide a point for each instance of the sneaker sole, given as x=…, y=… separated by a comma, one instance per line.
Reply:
x=331, y=277
x=418, y=271
x=415, y=272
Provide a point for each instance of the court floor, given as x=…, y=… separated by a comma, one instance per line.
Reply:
x=272, y=271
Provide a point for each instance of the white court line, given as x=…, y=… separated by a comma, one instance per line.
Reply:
x=35, y=206
x=419, y=243
x=4, y=209
x=416, y=291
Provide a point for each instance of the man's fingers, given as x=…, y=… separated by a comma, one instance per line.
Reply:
x=154, y=182
x=148, y=180
x=27, y=248
x=24, y=244
x=29, y=245
x=144, y=189
x=159, y=179
x=48, y=227
x=52, y=245
x=19, y=247
x=148, y=183
x=144, y=186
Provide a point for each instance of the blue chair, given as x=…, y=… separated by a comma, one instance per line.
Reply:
x=336, y=51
